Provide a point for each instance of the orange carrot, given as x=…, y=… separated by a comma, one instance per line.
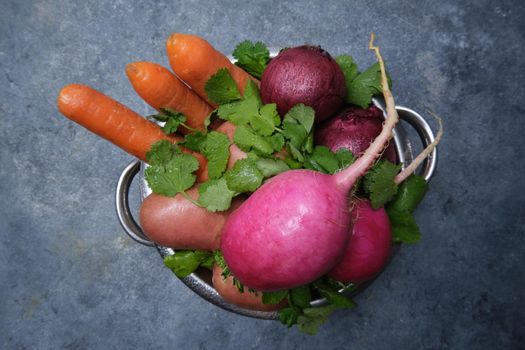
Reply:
x=115, y=122
x=194, y=60
x=160, y=89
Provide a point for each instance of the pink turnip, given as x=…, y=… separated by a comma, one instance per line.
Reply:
x=295, y=227
x=304, y=74
x=368, y=249
x=353, y=128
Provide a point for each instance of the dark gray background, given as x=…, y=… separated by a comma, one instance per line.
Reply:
x=71, y=278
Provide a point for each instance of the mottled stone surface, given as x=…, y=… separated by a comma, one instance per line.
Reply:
x=70, y=278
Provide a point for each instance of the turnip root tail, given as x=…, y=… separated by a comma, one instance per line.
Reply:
x=347, y=178
x=422, y=156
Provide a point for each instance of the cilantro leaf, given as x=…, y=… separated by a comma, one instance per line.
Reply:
x=171, y=119
x=251, y=91
x=194, y=141
x=216, y=148
x=208, y=262
x=344, y=157
x=215, y=195
x=173, y=177
x=174, y=120
x=244, y=176
x=288, y=316
x=312, y=318
x=253, y=58
x=333, y=292
x=333, y=296
x=379, y=183
x=365, y=85
x=170, y=170
x=263, y=118
x=302, y=115
x=266, y=120
x=301, y=296
x=184, y=262
x=237, y=112
x=248, y=140
x=276, y=141
x=348, y=66
x=323, y=160
x=221, y=88
x=360, y=87
x=308, y=145
x=274, y=297
x=295, y=133
x=300, y=312
x=271, y=167
x=292, y=163
x=297, y=125
x=161, y=152
x=409, y=195
x=242, y=111
x=296, y=153
x=404, y=227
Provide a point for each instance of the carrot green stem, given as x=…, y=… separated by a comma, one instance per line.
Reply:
x=187, y=196
x=190, y=128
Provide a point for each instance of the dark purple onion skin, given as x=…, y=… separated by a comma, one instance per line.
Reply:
x=354, y=128
x=304, y=74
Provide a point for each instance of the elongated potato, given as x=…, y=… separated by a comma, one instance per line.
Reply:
x=177, y=223
x=231, y=294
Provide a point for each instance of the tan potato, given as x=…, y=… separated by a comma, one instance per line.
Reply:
x=177, y=223
x=231, y=294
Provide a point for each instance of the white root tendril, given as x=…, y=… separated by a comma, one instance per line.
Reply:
x=348, y=177
x=409, y=170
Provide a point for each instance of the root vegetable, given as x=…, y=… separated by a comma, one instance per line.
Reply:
x=369, y=247
x=304, y=74
x=353, y=128
x=115, y=122
x=177, y=223
x=162, y=89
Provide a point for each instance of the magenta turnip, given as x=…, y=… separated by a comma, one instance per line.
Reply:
x=368, y=249
x=304, y=74
x=289, y=232
x=353, y=128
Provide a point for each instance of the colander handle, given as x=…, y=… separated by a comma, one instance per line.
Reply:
x=122, y=205
x=426, y=135
x=423, y=130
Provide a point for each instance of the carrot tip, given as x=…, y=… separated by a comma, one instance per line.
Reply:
x=131, y=69
x=67, y=96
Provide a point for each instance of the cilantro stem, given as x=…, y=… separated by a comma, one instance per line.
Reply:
x=189, y=127
x=187, y=196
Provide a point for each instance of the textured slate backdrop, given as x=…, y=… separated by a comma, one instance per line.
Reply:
x=69, y=276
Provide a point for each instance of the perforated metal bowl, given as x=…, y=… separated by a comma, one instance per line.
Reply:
x=200, y=281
